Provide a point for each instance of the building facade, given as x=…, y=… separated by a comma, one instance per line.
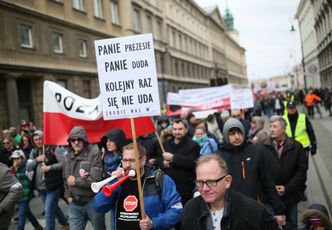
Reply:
x=54, y=40
x=323, y=28
x=306, y=17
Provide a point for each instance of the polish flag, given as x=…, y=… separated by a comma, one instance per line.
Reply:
x=62, y=110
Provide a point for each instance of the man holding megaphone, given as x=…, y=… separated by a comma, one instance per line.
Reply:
x=163, y=208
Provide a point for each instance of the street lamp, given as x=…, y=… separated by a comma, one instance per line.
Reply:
x=302, y=61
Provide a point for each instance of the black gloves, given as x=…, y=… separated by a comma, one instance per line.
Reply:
x=313, y=149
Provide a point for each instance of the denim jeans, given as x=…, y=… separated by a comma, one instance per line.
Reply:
x=291, y=214
x=23, y=213
x=52, y=210
x=79, y=216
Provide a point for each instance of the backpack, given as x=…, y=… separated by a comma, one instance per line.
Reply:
x=159, y=180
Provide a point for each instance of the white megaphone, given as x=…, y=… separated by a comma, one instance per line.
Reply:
x=96, y=186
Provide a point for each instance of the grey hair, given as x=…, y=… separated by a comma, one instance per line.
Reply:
x=280, y=119
x=207, y=158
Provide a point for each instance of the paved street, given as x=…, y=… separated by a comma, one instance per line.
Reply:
x=319, y=175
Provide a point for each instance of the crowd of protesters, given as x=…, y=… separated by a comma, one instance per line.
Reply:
x=264, y=170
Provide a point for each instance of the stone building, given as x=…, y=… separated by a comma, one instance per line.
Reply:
x=323, y=28
x=54, y=40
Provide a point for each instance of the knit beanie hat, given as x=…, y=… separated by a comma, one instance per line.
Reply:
x=231, y=123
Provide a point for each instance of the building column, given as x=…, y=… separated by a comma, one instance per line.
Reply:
x=12, y=100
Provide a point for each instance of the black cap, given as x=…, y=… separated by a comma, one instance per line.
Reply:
x=291, y=104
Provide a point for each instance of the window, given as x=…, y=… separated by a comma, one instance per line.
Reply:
x=79, y=5
x=63, y=83
x=83, y=48
x=57, y=43
x=87, y=88
x=98, y=8
x=159, y=29
x=115, y=12
x=148, y=24
x=26, y=36
x=137, y=21
x=174, y=38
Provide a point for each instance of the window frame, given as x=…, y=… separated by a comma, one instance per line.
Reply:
x=79, y=5
x=60, y=42
x=85, y=48
x=137, y=20
x=98, y=8
x=30, y=38
x=114, y=8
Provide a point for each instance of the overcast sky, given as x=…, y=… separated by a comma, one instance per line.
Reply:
x=264, y=30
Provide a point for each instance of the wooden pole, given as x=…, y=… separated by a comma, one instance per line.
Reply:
x=159, y=141
x=137, y=167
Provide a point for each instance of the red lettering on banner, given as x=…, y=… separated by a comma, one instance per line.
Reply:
x=130, y=203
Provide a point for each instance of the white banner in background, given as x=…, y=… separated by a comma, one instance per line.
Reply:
x=242, y=99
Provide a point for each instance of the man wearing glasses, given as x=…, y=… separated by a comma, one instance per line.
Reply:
x=218, y=207
x=163, y=208
x=82, y=166
x=6, y=152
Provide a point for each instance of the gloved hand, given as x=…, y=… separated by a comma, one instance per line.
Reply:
x=313, y=149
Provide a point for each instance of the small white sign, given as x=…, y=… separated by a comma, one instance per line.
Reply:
x=127, y=77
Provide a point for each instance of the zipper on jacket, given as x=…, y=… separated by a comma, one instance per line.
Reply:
x=243, y=170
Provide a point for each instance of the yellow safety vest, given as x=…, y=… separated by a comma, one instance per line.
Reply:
x=301, y=134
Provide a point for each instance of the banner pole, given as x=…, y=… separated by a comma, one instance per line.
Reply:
x=159, y=141
x=137, y=167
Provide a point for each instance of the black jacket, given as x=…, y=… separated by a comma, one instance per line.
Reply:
x=182, y=168
x=240, y=213
x=290, y=170
x=250, y=174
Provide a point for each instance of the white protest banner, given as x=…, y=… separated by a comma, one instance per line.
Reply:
x=201, y=96
x=242, y=99
x=127, y=77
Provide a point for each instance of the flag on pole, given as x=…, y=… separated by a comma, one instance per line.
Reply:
x=62, y=110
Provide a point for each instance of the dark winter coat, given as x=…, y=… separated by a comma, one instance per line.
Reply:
x=182, y=168
x=290, y=170
x=240, y=212
x=250, y=174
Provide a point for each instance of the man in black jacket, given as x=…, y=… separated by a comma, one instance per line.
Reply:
x=248, y=169
x=179, y=158
x=287, y=163
x=221, y=208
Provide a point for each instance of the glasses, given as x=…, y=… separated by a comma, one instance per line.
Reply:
x=5, y=143
x=124, y=160
x=75, y=139
x=209, y=183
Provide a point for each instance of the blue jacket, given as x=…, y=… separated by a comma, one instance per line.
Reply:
x=209, y=146
x=163, y=209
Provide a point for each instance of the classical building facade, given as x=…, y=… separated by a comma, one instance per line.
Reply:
x=306, y=17
x=54, y=40
x=323, y=28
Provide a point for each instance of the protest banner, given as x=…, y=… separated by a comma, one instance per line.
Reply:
x=62, y=110
x=127, y=77
x=242, y=99
x=199, y=99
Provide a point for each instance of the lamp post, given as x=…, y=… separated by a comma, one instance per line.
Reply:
x=302, y=61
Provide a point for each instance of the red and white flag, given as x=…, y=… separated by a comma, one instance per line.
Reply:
x=62, y=110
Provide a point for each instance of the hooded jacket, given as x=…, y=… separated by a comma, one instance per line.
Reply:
x=246, y=165
x=112, y=159
x=90, y=154
x=34, y=165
